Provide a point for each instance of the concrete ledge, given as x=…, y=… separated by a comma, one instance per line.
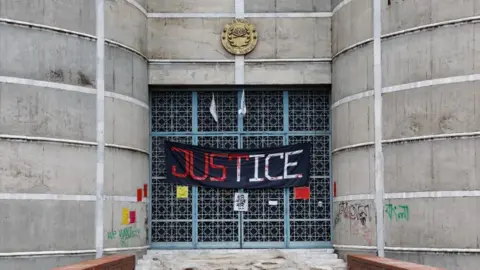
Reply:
x=360, y=262
x=120, y=262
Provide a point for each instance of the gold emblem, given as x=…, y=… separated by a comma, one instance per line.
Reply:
x=239, y=37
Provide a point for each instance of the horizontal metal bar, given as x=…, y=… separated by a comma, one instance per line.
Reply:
x=171, y=220
x=262, y=220
x=263, y=245
x=310, y=219
x=317, y=245
x=223, y=245
x=236, y=133
x=217, y=220
x=170, y=245
x=288, y=60
x=320, y=177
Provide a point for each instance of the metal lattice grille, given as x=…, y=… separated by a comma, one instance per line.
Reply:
x=265, y=111
x=310, y=219
x=171, y=111
x=308, y=111
x=226, y=104
x=264, y=222
x=171, y=218
x=207, y=216
x=217, y=222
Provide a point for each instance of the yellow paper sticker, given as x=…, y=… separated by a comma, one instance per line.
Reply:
x=182, y=192
x=125, y=216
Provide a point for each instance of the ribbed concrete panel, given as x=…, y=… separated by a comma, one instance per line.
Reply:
x=50, y=56
x=352, y=23
x=432, y=166
x=354, y=171
x=74, y=15
x=126, y=24
x=288, y=6
x=292, y=38
x=434, y=223
x=352, y=73
x=439, y=109
x=125, y=172
x=40, y=167
x=353, y=123
x=126, y=124
x=186, y=38
x=46, y=112
x=208, y=6
x=407, y=14
x=192, y=73
x=40, y=225
x=288, y=73
x=57, y=57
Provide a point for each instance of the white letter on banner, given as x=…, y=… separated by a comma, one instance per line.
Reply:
x=285, y=173
x=267, y=175
x=255, y=178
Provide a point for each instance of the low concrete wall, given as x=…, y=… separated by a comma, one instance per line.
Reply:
x=361, y=262
x=120, y=262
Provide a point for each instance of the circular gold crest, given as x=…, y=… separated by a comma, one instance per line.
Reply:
x=239, y=37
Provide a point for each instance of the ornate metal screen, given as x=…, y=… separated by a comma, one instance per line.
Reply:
x=274, y=218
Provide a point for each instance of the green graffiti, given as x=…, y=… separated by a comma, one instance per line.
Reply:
x=124, y=234
x=399, y=212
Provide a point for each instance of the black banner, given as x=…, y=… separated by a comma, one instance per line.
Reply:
x=287, y=166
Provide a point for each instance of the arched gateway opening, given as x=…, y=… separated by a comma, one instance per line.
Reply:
x=206, y=217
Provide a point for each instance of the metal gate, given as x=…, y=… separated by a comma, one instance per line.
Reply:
x=206, y=219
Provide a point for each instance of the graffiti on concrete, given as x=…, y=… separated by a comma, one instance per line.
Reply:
x=124, y=235
x=397, y=212
x=358, y=214
x=355, y=211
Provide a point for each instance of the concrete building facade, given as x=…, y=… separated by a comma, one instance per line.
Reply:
x=310, y=78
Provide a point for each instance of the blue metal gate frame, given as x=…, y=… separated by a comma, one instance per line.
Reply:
x=241, y=134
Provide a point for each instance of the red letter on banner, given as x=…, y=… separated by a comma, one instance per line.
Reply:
x=221, y=167
x=205, y=168
x=187, y=161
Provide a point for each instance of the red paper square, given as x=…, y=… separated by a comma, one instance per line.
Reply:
x=145, y=190
x=302, y=193
x=139, y=195
x=133, y=217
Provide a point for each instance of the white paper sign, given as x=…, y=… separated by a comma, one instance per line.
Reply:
x=272, y=202
x=240, y=202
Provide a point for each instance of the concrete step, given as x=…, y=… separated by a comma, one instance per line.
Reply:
x=241, y=259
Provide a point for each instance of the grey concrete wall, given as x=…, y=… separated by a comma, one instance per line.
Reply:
x=67, y=111
x=199, y=39
x=413, y=166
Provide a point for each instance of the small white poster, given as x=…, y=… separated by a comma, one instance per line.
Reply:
x=240, y=202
